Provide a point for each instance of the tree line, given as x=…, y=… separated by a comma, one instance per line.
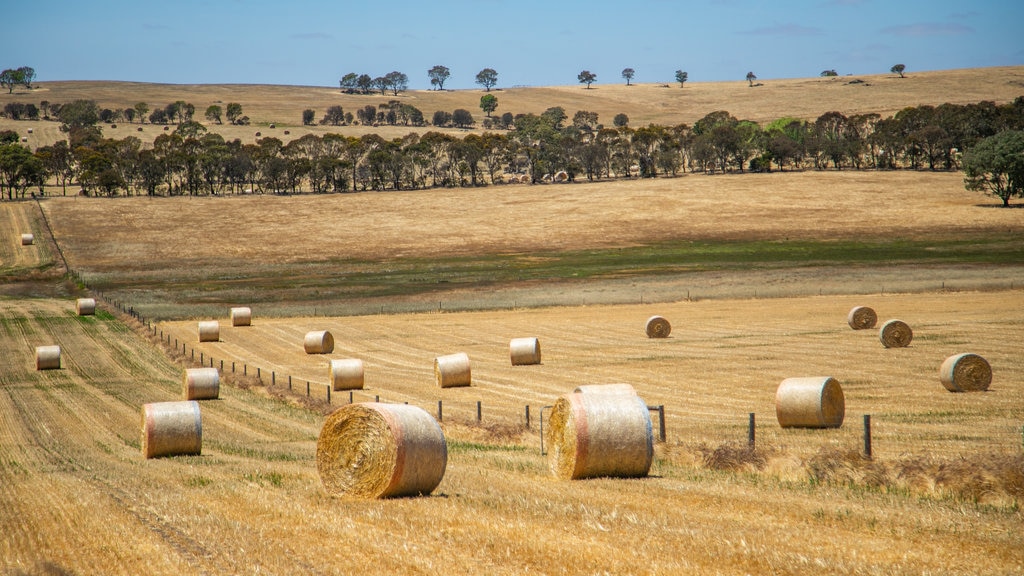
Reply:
x=192, y=160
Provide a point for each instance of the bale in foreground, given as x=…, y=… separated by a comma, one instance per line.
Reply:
x=452, y=370
x=593, y=435
x=241, y=316
x=895, y=334
x=861, y=318
x=48, y=357
x=346, y=374
x=85, y=306
x=815, y=402
x=658, y=327
x=171, y=429
x=201, y=384
x=524, y=351
x=965, y=373
x=374, y=450
x=209, y=331
x=318, y=342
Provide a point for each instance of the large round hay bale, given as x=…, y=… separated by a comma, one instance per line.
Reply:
x=85, y=306
x=241, y=316
x=27, y=239
x=209, y=331
x=591, y=435
x=524, y=351
x=965, y=373
x=201, y=384
x=895, y=334
x=318, y=342
x=658, y=327
x=346, y=374
x=814, y=402
x=861, y=318
x=626, y=389
x=374, y=450
x=171, y=429
x=452, y=370
x=48, y=357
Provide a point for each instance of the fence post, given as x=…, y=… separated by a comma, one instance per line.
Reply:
x=307, y=387
x=479, y=411
x=867, y=436
x=439, y=414
x=289, y=382
x=661, y=420
x=258, y=375
x=273, y=378
x=328, y=393
x=349, y=396
x=527, y=415
x=750, y=432
x=232, y=366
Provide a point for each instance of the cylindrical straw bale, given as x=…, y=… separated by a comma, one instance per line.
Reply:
x=592, y=435
x=171, y=429
x=452, y=370
x=861, y=318
x=626, y=389
x=85, y=306
x=895, y=334
x=965, y=373
x=374, y=450
x=201, y=384
x=658, y=327
x=241, y=316
x=48, y=357
x=318, y=342
x=209, y=331
x=346, y=374
x=524, y=351
x=27, y=239
x=814, y=402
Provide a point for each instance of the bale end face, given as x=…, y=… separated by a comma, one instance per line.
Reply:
x=814, y=402
x=658, y=327
x=861, y=318
x=965, y=373
x=895, y=334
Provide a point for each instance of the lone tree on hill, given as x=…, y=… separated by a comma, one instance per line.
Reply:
x=487, y=78
x=996, y=165
x=488, y=103
x=628, y=74
x=586, y=77
x=438, y=74
x=826, y=73
x=750, y=78
x=681, y=77
x=898, y=69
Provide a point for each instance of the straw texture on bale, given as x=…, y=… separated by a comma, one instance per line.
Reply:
x=814, y=402
x=593, y=435
x=85, y=306
x=241, y=316
x=626, y=389
x=318, y=342
x=171, y=429
x=27, y=239
x=895, y=334
x=524, y=351
x=452, y=370
x=48, y=357
x=375, y=450
x=201, y=384
x=209, y=331
x=861, y=318
x=965, y=373
x=658, y=327
x=346, y=374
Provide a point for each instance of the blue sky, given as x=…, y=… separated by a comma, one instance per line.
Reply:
x=528, y=42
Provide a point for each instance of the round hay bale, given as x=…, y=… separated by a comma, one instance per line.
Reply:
x=965, y=373
x=201, y=384
x=85, y=306
x=28, y=239
x=29, y=130
x=346, y=374
x=241, y=316
x=561, y=176
x=209, y=331
x=48, y=357
x=861, y=318
x=895, y=334
x=373, y=450
x=171, y=429
x=658, y=327
x=318, y=342
x=591, y=435
x=24, y=138
x=814, y=402
x=524, y=351
x=626, y=389
x=452, y=370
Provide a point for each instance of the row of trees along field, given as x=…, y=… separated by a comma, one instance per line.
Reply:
x=192, y=160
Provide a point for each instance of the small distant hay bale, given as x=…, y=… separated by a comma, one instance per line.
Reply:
x=658, y=327
x=241, y=316
x=24, y=138
x=258, y=134
x=209, y=331
x=861, y=318
x=287, y=132
x=626, y=389
x=201, y=384
x=374, y=450
x=318, y=342
x=85, y=306
x=273, y=125
x=29, y=130
x=594, y=435
x=561, y=176
x=524, y=351
x=171, y=429
x=139, y=129
x=346, y=374
x=810, y=402
x=895, y=334
x=28, y=239
x=48, y=357
x=965, y=373
x=452, y=370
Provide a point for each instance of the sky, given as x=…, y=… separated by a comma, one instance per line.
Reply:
x=528, y=42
